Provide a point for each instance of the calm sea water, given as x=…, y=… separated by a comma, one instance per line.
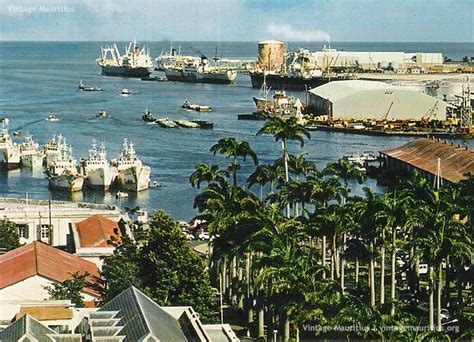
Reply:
x=40, y=78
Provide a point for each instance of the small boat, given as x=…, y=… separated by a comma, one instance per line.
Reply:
x=166, y=123
x=198, y=108
x=204, y=124
x=121, y=194
x=155, y=184
x=86, y=88
x=5, y=121
x=52, y=118
x=187, y=124
x=102, y=114
x=148, y=117
x=124, y=92
x=17, y=133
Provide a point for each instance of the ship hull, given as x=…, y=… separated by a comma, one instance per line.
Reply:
x=11, y=158
x=101, y=178
x=126, y=71
x=71, y=183
x=291, y=82
x=32, y=161
x=195, y=77
x=136, y=178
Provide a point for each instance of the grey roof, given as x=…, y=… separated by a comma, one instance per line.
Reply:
x=30, y=329
x=142, y=317
x=220, y=332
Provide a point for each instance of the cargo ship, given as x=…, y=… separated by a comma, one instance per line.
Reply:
x=200, y=72
x=135, y=62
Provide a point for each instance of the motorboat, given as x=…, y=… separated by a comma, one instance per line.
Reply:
x=52, y=118
x=198, y=108
x=102, y=114
x=121, y=194
x=124, y=92
x=17, y=133
x=86, y=88
x=148, y=117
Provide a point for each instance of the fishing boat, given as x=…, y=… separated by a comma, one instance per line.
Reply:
x=166, y=123
x=9, y=151
x=97, y=169
x=136, y=62
x=102, y=114
x=195, y=107
x=52, y=118
x=124, y=92
x=52, y=148
x=187, y=123
x=63, y=173
x=86, y=88
x=30, y=155
x=132, y=174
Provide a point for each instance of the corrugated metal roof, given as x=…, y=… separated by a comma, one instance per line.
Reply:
x=96, y=230
x=38, y=258
x=46, y=313
x=423, y=154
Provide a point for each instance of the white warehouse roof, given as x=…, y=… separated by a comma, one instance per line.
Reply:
x=359, y=99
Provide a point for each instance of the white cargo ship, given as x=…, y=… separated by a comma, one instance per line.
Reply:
x=98, y=171
x=200, y=72
x=132, y=174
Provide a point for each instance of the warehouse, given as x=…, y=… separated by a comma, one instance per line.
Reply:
x=423, y=154
x=362, y=100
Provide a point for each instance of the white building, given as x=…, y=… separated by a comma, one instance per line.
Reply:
x=374, y=100
x=50, y=222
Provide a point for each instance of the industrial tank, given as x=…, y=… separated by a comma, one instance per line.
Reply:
x=271, y=54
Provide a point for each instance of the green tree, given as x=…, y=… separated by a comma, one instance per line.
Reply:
x=69, y=289
x=9, y=238
x=207, y=173
x=234, y=148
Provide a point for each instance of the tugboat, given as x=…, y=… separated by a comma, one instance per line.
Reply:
x=9, y=150
x=30, y=156
x=147, y=116
x=132, y=174
x=124, y=92
x=135, y=62
x=63, y=173
x=97, y=169
x=85, y=88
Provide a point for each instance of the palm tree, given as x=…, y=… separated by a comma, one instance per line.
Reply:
x=284, y=130
x=234, y=148
x=300, y=166
x=206, y=173
x=262, y=175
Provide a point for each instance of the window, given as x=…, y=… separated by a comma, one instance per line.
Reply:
x=44, y=231
x=23, y=231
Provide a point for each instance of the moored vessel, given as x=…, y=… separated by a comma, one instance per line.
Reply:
x=132, y=174
x=63, y=173
x=52, y=148
x=200, y=72
x=9, y=151
x=30, y=156
x=96, y=168
x=135, y=62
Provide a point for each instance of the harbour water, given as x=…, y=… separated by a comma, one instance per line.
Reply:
x=40, y=78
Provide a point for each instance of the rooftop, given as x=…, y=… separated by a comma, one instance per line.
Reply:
x=41, y=259
x=96, y=230
x=46, y=313
x=423, y=154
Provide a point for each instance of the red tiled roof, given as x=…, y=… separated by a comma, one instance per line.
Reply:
x=96, y=230
x=423, y=154
x=38, y=258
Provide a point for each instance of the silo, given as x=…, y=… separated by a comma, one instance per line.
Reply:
x=271, y=54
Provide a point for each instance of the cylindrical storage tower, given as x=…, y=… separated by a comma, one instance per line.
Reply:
x=271, y=54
